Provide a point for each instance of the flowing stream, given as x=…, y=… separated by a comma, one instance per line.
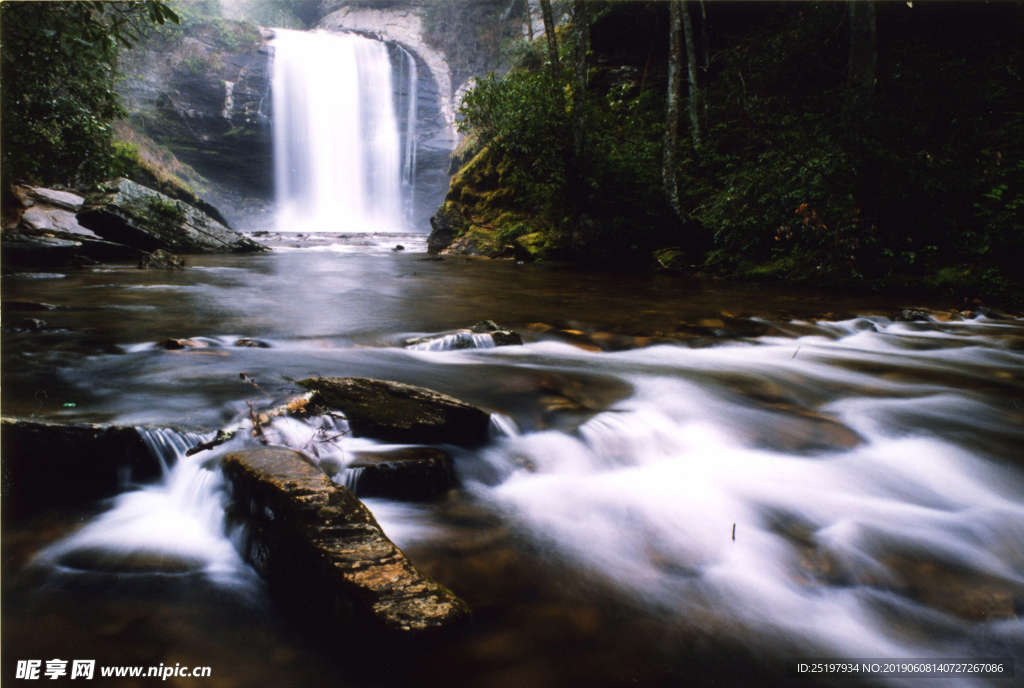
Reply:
x=686, y=481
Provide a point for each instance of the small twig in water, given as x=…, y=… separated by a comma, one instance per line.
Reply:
x=257, y=431
x=1016, y=402
x=734, y=532
x=331, y=439
x=795, y=353
x=40, y=407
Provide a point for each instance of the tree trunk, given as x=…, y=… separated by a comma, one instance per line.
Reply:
x=549, y=33
x=691, y=57
x=860, y=82
x=529, y=20
x=675, y=63
x=581, y=33
x=707, y=61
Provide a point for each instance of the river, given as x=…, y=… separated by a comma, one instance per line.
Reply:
x=689, y=481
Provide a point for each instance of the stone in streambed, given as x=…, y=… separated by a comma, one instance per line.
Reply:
x=139, y=561
x=177, y=344
x=322, y=551
x=463, y=339
x=404, y=414
x=161, y=260
x=409, y=473
x=53, y=464
x=252, y=344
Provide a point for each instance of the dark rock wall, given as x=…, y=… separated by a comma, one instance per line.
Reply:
x=210, y=108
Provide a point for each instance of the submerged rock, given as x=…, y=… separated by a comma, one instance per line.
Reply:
x=52, y=464
x=252, y=344
x=321, y=550
x=394, y=412
x=132, y=214
x=412, y=473
x=161, y=260
x=472, y=338
x=177, y=344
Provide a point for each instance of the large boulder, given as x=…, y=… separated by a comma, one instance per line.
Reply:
x=394, y=412
x=132, y=214
x=49, y=464
x=321, y=550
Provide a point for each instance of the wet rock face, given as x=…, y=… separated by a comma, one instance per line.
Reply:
x=410, y=473
x=322, y=551
x=131, y=214
x=209, y=105
x=394, y=412
x=54, y=464
x=443, y=233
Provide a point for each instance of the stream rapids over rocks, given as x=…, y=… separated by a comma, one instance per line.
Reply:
x=684, y=481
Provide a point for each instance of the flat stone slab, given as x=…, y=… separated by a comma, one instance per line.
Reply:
x=54, y=220
x=322, y=550
x=49, y=464
x=55, y=197
x=400, y=413
x=410, y=473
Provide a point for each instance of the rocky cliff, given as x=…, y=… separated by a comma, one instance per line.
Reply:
x=207, y=101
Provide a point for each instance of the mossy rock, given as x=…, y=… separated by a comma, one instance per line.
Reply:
x=535, y=244
x=672, y=258
x=467, y=149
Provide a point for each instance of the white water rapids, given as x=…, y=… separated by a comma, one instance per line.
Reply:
x=863, y=468
x=339, y=160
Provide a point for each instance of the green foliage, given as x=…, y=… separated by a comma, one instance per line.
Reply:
x=930, y=192
x=604, y=199
x=125, y=159
x=59, y=66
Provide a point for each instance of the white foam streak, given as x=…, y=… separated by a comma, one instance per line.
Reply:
x=181, y=520
x=646, y=493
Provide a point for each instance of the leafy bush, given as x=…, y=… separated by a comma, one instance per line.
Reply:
x=59, y=66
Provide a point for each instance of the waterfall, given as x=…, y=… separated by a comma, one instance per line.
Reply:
x=411, y=79
x=338, y=154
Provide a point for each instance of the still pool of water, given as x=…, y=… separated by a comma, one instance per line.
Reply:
x=688, y=482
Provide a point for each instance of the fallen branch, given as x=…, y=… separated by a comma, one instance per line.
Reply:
x=220, y=439
x=258, y=420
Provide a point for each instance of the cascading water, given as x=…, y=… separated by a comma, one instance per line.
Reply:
x=338, y=158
